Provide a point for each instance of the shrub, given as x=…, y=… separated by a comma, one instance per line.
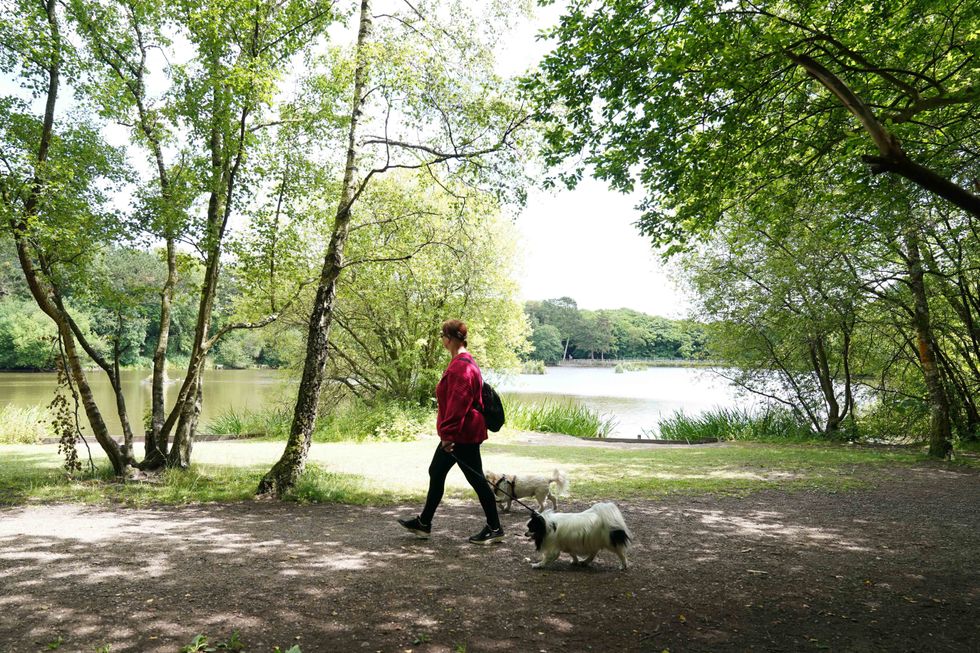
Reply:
x=379, y=419
x=533, y=367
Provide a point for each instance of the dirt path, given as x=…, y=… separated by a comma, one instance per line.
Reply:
x=893, y=568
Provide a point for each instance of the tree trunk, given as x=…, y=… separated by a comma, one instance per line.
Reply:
x=818, y=359
x=288, y=469
x=156, y=441
x=40, y=290
x=940, y=437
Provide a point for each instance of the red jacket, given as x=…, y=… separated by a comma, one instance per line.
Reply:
x=459, y=396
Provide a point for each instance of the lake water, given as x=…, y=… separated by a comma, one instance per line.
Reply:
x=637, y=400
x=223, y=390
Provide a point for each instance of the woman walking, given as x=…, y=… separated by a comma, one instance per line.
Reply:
x=461, y=429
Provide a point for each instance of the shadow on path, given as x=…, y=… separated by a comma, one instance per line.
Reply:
x=892, y=568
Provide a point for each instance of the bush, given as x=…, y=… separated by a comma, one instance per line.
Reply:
x=19, y=425
x=735, y=424
x=894, y=419
x=567, y=418
x=533, y=367
x=379, y=419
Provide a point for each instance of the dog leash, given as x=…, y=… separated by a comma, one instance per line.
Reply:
x=513, y=485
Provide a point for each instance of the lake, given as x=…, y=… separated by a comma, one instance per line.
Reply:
x=638, y=400
x=223, y=390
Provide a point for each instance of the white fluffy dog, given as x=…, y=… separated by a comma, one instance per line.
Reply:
x=508, y=487
x=580, y=534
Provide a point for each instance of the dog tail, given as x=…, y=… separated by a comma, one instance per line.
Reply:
x=561, y=481
x=619, y=532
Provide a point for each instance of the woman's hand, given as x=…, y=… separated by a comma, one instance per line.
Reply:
x=447, y=446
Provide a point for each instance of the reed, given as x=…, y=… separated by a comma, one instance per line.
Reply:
x=736, y=424
x=24, y=425
x=559, y=417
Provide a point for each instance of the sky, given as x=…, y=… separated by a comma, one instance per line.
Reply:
x=582, y=243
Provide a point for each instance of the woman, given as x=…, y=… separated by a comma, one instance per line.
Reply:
x=461, y=429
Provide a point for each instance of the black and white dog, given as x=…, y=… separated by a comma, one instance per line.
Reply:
x=580, y=534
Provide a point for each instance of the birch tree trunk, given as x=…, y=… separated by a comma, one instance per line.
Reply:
x=287, y=470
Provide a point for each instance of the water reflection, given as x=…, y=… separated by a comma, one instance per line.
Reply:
x=223, y=390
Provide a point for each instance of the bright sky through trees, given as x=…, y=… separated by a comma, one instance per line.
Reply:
x=582, y=243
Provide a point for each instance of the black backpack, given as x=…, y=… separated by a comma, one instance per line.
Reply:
x=493, y=408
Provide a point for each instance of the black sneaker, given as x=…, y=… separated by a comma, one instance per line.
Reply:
x=416, y=526
x=488, y=535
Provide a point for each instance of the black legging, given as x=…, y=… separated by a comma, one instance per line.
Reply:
x=442, y=462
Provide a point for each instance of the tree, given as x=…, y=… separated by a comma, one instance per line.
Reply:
x=703, y=102
x=51, y=174
x=218, y=104
x=455, y=121
x=786, y=309
x=561, y=313
x=712, y=106
x=546, y=343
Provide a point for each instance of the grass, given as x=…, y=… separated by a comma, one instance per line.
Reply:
x=272, y=422
x=24, y=425
x=387, y=473
x=558, y=417
x=354, y=421
x=737, y=424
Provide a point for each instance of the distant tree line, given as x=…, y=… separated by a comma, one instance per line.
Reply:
x=28, y=339
x=561, y=330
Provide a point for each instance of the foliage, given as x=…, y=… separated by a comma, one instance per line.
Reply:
x=772, y=425
x=703, y=102
x=546, y=344
x=19, y=425
x=561, y=328
x=376, y=419
x=26, y=337
x=558, y=417
x=444, y=257
x=533, y=367
x=201, y=644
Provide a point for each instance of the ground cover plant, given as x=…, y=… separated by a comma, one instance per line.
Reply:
x=382, y=473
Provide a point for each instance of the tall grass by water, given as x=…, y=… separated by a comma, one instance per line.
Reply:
x=736, y=424
x=349, y=421
x=24, y=425
x=558, y=417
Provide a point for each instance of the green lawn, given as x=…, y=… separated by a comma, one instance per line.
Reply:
x=392, y=472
